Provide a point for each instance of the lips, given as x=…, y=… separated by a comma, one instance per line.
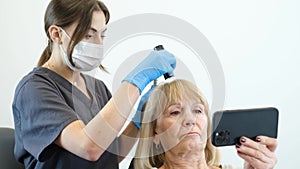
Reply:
x=193, y=133
x=189, y=134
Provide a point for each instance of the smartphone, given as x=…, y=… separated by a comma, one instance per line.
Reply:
x=229, y=125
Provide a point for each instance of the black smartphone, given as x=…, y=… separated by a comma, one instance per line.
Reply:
x=229, y=125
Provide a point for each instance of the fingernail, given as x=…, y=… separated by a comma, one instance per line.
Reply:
x=243, y=140
x=238, y=145
x=258, y=139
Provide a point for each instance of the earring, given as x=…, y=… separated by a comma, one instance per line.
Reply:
x=157, y=146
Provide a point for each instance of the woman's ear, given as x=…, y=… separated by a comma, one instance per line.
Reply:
x=55, y=34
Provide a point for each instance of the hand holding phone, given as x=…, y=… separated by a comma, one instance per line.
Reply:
x=229, y=125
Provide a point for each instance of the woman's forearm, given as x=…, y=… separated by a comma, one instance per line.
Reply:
x=94, y=138
x=105, y=126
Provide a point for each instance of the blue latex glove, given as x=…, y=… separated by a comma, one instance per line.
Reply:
x=136, y=120
x=152, y=67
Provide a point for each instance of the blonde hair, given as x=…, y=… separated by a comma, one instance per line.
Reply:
x=147, y=154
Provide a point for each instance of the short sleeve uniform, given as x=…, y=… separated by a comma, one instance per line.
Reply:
x=44, y=104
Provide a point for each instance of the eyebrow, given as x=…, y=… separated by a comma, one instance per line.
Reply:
x=194, y=104
x=102, y=30
x=175, y=104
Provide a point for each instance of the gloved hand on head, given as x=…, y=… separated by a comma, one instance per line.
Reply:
x=152, y=67
x=136, y=120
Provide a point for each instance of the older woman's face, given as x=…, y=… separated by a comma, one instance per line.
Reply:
x=182, y=125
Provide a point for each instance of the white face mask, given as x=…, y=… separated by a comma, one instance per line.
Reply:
x=86, y=56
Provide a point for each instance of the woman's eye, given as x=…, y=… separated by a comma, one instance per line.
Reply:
x=88, y=36
x=198, y=111
x=175, y=113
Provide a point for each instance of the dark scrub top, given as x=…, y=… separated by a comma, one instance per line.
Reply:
x=45, y=103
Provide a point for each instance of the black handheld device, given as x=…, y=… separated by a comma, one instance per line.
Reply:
x=161, y=47
x=229, y=125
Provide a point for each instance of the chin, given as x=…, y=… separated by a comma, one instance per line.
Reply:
x=193, y=142
x=196, y=140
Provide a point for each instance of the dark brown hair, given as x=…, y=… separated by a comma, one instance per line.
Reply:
x=64, y=13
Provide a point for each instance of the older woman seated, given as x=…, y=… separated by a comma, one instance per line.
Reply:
x=176, y=133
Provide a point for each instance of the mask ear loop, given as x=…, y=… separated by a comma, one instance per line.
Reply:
x=65, y=56
x=65, y=32
x=67, y=59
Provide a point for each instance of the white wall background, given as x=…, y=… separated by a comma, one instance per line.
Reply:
x=256, y=41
